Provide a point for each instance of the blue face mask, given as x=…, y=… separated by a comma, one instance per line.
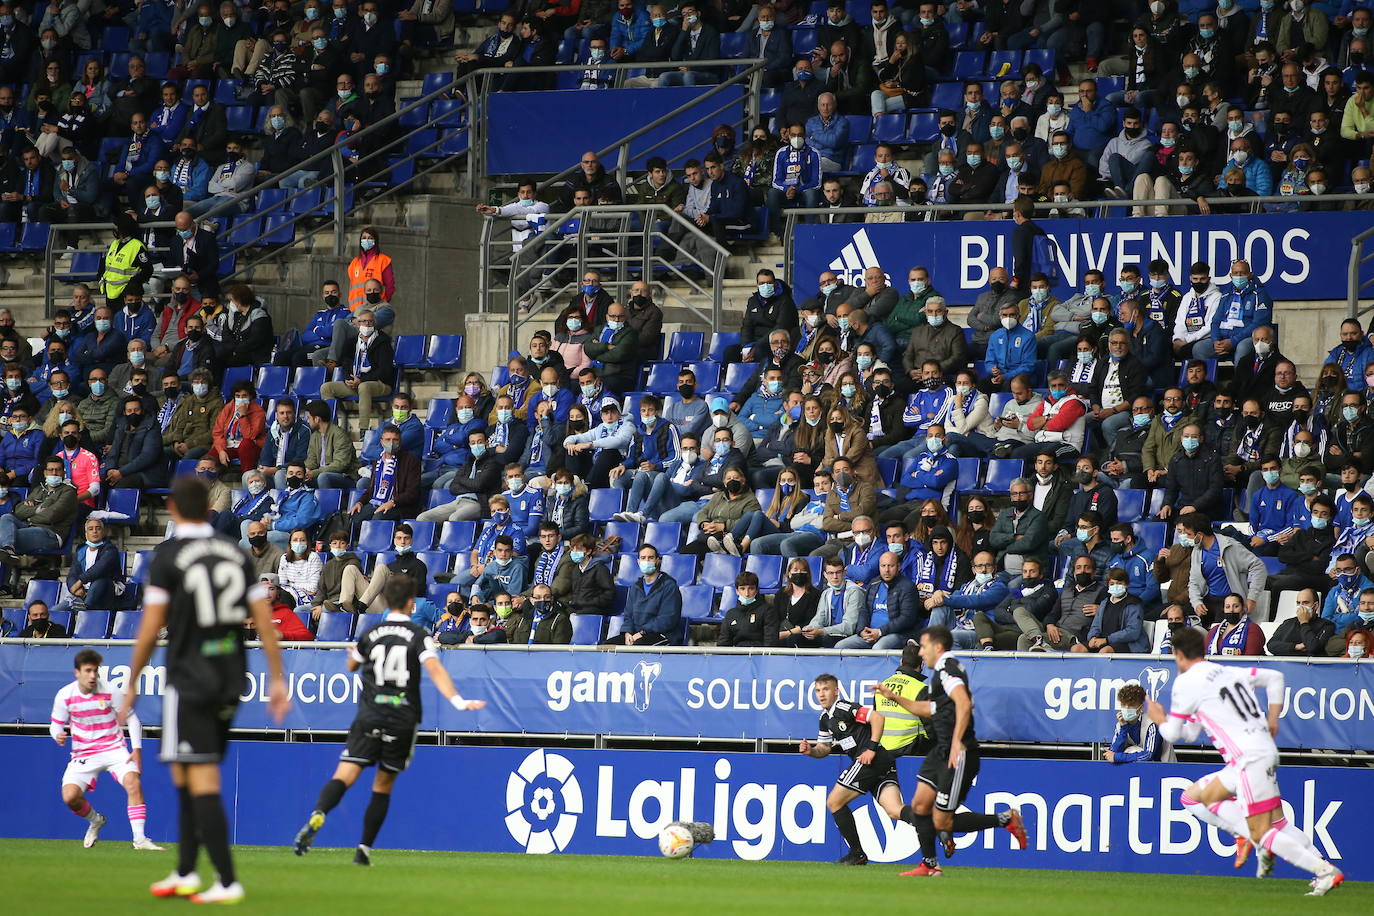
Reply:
x=1189, y=443
x=843, y=322
x=934, y=444
x=1140, y=420
x=787, y=488
x=1319, y=523
x=746, y=600
x=766, y=290
x=478, y=451
x=659, y=22
x=973, y=160
x=404, y=548
x=898, y=548
x=1058, y=393
x=338, y=551
x=1099, y=317
x=1084, y=534
x=647, y=567
x=1130, y=715
x=1239, y=282
x=578, y=556
x=1128, y=286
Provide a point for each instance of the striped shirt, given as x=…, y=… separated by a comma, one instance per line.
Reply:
x=91, y=719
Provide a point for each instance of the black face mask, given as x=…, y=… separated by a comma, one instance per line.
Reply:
x=734, y=486
x=1301, y=415
x=321, y=127
x=70, y=441
x=374, y=298
x=170, y=394
x=1083, y=580
x=181, y=298
x=687, y=391
x=294, y=483
x=1176, y=626
x=1019, y=134
x=1027, y=584
x=188, y=154
x=1201, y=288
x=1351, y=345
x=259, y=541
x=133, y=419
x=331, y=302
x=882, y=391
x=1020, y=505
x=837, y=426
x=232, y=157
x=1083, y=477
x=134, y=307
x=140, y=389
x=997, y=287
x=799, y=579
x=977, y=516
x=1252, y=422
x=935, y=384
x=825, y=357
x=1231, y=619
x=948, y=130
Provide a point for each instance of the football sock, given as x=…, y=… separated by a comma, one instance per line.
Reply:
x=1292, y=845
x=844, y=820
x=330, y=795
x=1224, y=815
x=85, y=810
x=971, y=822
x=214, y=833
x=137, y=814
x=374, y=815
x=925, y=832
x=188, y=841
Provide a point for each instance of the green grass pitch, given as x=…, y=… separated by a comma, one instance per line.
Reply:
x=51, y=876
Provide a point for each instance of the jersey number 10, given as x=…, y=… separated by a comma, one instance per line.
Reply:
x=1242, y=701
x=217, y=589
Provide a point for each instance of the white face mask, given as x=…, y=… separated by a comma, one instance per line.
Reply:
x=720, y=420
x=1302, y=449
x=863, y=539
x=797, y=142
x=1008, y=323
x=1357, y=651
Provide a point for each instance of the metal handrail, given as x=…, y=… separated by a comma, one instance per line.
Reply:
x=928, y=212
x=1353, y=284
x=647, y=259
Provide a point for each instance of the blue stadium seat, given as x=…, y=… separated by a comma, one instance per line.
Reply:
x=968, y=475
x=8, y=232
x=587, y=629
x=662, y=378
x=304, y=617
x=1044, y=57
x=997, y=402
x=1001, y=472
x=440, y=413
x=448, y=112
x=305, y=201
x=924, y=127
x=887, y=470
x=736, y=375
x=685, y=346
x=85, y=265
x=720, y=342
x=860, y=11
x=117, y=68
x=141, y=561
x=277, y=231
x=1130, y=505
x=157, y=63
x=969, y=64
x=114, y=39
x=366, y=622
x=307, y=381
x=457, y=537
x=605, y=503
x=241, y=119
x=1151, y=535
x=34, y=237
x=445, y=352
x=1211, y=371
x=958, y=34
x=863, y=158
x=947, y=95
x=769, y=570
x=681, y=566
x=375, y=535
x=44, y=590
x=628, y=532
x=860, y=128
x=436, y=561
x=233, y=376
x=334, y=627
x=734, y=44
x=698, y=602
x=422, y=533
x=92, y=625
x=626, y=569
x=126, y=624
x=889, y=128
x=330, y=501
x=122, y=506
x=409, y=350
x=433, y=82
x=769, y=100
x=718, y=570
x=803, y=41
x=707, y=373
x=1011, y=60
x=12, y=621
x=273, y=381
x=664, y=536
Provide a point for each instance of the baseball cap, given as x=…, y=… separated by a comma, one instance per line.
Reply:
x=720, y=404
x=272, y=578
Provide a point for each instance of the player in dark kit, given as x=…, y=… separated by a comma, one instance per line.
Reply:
x=856, y=731
x=203, y=588
x=390, y=655
x=951, y=766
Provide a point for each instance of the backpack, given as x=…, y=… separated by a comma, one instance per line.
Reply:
x=1045, y=258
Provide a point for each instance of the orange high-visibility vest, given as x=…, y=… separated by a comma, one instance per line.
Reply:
x=358, y=275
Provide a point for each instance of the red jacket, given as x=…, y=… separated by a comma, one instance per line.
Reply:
x=1065, y=417
x=252, y=426
x=289, y=625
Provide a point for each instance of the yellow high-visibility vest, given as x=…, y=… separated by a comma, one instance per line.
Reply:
x=901, y=728
x=119, y=267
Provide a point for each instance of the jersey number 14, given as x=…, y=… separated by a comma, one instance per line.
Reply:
x=389, y=666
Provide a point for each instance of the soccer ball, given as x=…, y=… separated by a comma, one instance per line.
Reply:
x=675, y=841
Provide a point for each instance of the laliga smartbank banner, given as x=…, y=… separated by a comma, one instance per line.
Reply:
x=1079, y=815
x=1052, y=698
x=1297, y=255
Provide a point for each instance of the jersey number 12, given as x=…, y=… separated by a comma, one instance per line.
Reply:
x=217, y=589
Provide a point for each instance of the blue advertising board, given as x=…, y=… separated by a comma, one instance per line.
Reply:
x=1079, y=815
x=545, y=132
x=1068, y=698
x=1297, y=255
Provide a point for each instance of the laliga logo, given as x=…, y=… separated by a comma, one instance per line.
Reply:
x=543, y=799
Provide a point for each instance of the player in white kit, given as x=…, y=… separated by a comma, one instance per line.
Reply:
x=86, y=708
x=1243, y=797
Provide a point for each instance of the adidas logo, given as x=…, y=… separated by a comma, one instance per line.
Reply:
x=854, y=259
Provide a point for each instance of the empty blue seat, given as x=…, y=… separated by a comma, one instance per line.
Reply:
x=947, y=95
x=737, y=374
x=304, y=201
x=440, y=413
x=334, y=627
x=628, y=532
x=122, y=506
x=144, y=557
x=422, y=533
x=664, y=536
x=662, y=378
x=685, y=346
x=889, y=128
x=698, y=602
x=241, y=119
x=681, y=566
x=587, y=629
x=445, y=352
x=92, y=625
x=969, y=64
x=114, y=39
x=734, y=44
x=1042, y=57
x=44, y=590
x=769, y=100
x=277, y=230
x=448, y=112
x=803, y=41
x=436, y=561
x=307, y=381
x=273, y=381
x=330, y=501
x=968, y=475
x=719, y=570
x=375, y=536
x=924, y=127
x=457, y=536
x=433, y=82
x=366, y=622
x=720, y=342
x=769, y=570
x=863, y=158
x=1001, y=472
x=605, y=503
x=126, y=624
x=34, y=237
x=410, y=350
x=1151, y=535
x=12, y=621
x=1130, y=505
x=1010, y=61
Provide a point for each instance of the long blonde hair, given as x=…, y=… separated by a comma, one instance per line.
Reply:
x=53, y=426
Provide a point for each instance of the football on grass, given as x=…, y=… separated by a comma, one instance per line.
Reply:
x=675, y=841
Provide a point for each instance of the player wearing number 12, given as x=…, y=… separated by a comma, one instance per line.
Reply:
x=202, y=587
x=390, y=656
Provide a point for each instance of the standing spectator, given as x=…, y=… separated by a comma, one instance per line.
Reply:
x=1220, y=566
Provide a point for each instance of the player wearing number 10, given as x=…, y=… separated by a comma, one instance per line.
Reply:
x=390, y=655
x=203, y=587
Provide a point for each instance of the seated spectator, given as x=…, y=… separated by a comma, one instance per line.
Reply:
x=196, y=253
x=1116, y=627
x=135, y=457
x=1011, y=351
x=956, y=609
x=338, y=590
x=190, y=434
x=394, y=489
x=1020, y=530
x=96, y=579
x=696, y=41
x=39, y=624
x=584, y=583
x=753, y=621
x=1136, y=739
x=330, y=461
x=240, y=432
x=892, y=610
x=717, y=518
x=1305, y=634
x=1236, y=633
x=235, y=176
x=476, y=479
x=1218, y=562
x=300, y=568
x=41, y=522
x=1032, y=598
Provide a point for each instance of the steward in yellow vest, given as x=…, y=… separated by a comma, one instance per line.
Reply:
x=904, y=733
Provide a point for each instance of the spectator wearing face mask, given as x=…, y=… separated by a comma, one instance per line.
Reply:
x=240, y=429
x=753, y=621
x=1136, y=739
x=583, y=583
x=1117, y=626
